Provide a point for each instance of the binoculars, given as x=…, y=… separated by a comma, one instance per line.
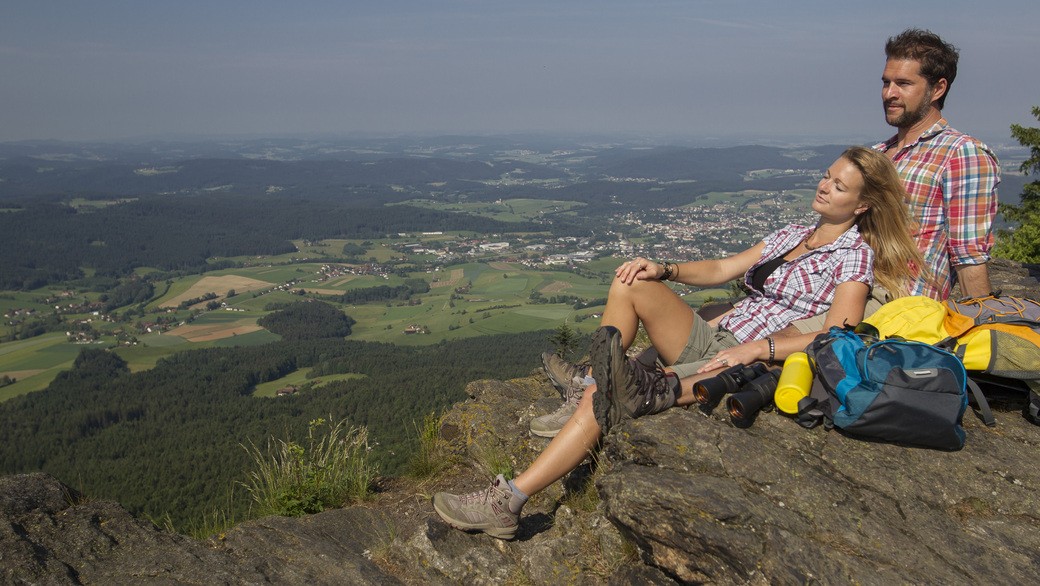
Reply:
x=750, y=388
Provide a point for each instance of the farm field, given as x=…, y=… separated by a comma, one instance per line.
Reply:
x=509, y=210
x=216, y=284
x=299, y=379
x=464, y=300
x=34, y=363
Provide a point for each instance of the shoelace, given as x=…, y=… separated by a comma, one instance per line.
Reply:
x=480, y=495
x=575, y=390
x=649, y=381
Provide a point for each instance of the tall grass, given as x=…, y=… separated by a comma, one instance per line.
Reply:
x=330, y=471
x=432, y=455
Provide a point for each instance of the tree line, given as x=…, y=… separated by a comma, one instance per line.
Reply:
x=45, y=243
x=169, y=441
x=385, y=292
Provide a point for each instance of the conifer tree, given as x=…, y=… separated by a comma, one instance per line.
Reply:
x=564, y=339
x=1022, y=243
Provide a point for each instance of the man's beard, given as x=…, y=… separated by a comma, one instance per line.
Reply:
x=910, y=117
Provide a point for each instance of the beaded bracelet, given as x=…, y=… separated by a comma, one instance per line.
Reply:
x=772, y=348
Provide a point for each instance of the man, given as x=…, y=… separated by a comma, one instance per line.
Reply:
x=951, y=178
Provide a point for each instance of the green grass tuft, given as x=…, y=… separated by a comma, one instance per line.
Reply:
x=432, y=455
x=330, y=471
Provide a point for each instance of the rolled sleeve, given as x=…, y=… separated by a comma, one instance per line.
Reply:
x=857, y=266
x=970, y=197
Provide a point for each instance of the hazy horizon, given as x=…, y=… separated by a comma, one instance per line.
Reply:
x=728, y=71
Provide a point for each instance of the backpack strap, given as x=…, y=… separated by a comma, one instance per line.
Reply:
x=984, y=413
x=1033, y=409
x=809, y=413
x=816, y=409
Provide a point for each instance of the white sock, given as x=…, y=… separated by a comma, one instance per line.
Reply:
x=518, y=500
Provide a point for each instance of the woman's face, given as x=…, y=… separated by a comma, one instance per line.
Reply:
x=838, y=193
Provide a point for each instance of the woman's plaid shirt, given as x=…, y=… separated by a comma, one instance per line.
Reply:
x=800, y=288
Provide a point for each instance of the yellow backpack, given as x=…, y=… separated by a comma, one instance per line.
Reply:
x=995, y=336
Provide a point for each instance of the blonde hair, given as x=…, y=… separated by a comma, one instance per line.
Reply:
x=886, y=224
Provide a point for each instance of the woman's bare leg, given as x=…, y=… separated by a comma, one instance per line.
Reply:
x=576, y=440
x=665, y=316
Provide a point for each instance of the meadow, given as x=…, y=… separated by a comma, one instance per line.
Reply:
x=512, y=210
x=486, y=296
x=498, y=301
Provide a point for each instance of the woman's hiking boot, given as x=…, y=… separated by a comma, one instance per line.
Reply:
x=494, y=510
x=572, y=389
x=628, y=387
x=561, y=373
x=551, y=424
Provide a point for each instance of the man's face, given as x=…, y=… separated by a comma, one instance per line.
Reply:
x=905, y=93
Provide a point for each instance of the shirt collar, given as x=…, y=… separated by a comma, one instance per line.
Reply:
x=847, y=239
x=937, y=128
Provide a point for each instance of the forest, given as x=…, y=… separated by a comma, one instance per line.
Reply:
x=169, y=441
x=311, y=320
x=47, y=243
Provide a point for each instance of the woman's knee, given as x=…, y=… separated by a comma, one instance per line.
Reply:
x=634, y=290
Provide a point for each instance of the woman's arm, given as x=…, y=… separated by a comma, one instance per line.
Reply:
x=701, y=273
x=850, y=301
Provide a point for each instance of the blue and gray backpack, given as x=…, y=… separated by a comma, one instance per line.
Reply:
x=890, y=390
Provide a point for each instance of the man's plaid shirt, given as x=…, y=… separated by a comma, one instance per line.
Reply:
x=951, y=179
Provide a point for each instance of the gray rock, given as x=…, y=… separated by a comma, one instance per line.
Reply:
x=708, y=502
x=52, y=535
x=1021, y=280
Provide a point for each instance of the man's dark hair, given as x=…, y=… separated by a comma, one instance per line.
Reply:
x=938, y=59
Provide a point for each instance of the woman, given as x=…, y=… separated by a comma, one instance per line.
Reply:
x=796, y=272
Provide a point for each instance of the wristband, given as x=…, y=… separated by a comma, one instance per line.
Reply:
x=667, y=274
x=772, y=348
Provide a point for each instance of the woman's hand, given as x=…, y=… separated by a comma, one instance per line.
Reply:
x=742, y=354
x=639, y=268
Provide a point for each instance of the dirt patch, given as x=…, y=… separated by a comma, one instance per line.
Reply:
x=195, y=333
x=21, y=374
x=343, y=280
x=456, y=276
x=218, y=285
x=555, y=287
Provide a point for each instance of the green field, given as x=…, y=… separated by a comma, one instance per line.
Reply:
x=509, y=210
x=299, y=379
x=498, y=300
x=34, y=363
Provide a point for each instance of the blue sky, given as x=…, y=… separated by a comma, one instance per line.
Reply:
x=754, y=69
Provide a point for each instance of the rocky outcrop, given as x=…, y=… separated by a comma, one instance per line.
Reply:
x=52, y=535
x=681, y=496
x=705, y=501
x=779, y=504
x=1015, y=278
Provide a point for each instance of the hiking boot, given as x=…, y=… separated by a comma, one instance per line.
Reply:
x=628, y=387
x=490, y=510
x=551, y=424
x=561, y=373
